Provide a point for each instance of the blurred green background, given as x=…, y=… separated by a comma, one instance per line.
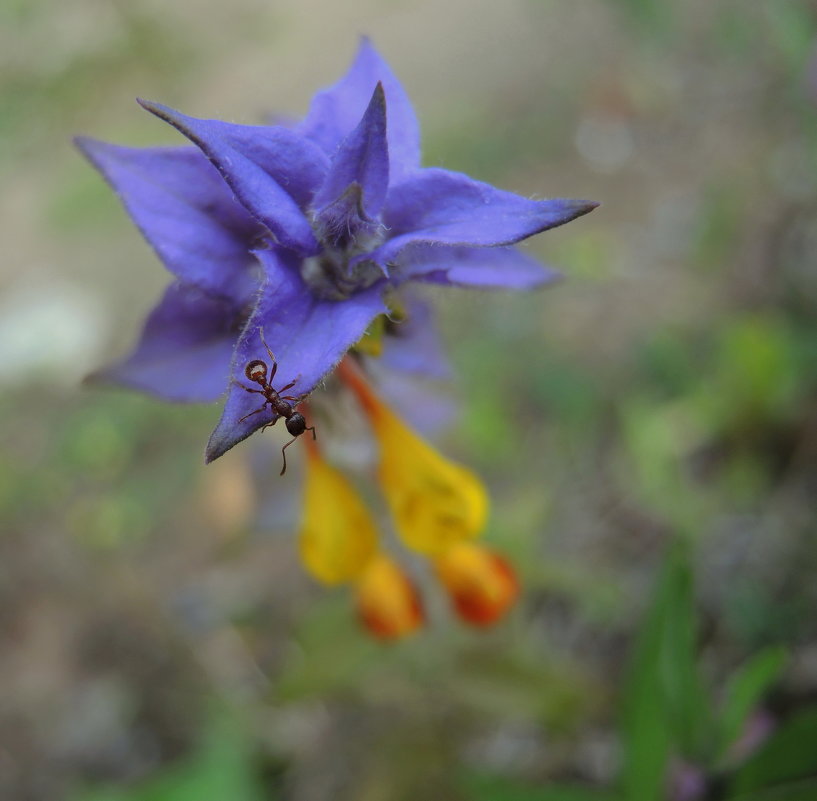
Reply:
x=647, y=429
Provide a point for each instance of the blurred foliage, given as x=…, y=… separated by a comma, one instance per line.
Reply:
x=221, y=768
x=647, y=428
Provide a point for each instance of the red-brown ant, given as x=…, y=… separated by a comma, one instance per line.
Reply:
x=256, y=371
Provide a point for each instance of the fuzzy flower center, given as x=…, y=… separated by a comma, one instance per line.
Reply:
x=341, y=268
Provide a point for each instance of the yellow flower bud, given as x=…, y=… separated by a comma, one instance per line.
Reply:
x=387, y=601
x=435, y=502
x=338, y=536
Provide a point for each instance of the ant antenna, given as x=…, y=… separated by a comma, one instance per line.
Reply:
x=271, y=354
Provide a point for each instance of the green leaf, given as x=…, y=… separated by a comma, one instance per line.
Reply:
x=665, y=704
x=787, y=755
x=745, y=690
x=796, y=791
x=646, y=720
x=653, y=17
x=497, y=788
x=792, y=29
x=688, y=702
x=331, y=654
x=222, y=768
x=754, y=374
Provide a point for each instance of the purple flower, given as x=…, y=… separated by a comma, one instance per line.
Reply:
x=299, y=232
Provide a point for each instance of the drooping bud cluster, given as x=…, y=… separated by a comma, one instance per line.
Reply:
x=438, y=507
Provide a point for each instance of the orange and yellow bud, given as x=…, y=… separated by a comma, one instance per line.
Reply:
x=388, y=603
x=481, y=584
x=434, y=502
x=338, y=536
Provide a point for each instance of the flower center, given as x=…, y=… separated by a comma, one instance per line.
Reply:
x=339, y=271
x=332, y=279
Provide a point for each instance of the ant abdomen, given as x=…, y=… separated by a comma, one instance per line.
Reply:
x=296, y=424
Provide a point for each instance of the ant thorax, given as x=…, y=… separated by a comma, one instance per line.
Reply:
x=256, y=370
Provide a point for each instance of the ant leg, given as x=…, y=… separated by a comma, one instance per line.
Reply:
x=290, y=384
x=270, y=424
x=284, y=468
x=252, y=413
x=246, y=389
x=312, y=429
x=288, y=397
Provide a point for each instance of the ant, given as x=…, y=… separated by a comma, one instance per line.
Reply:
x=256, y=370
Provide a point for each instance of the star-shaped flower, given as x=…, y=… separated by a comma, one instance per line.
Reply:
x=300, y=234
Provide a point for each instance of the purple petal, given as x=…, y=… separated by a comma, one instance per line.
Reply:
x=308, y=337
x=477, y=268
x=185, y=211
x=442, y=207
x=185, y=349
x=273, y=171
x=336, y=111
x=361, y=161
x=413, y=345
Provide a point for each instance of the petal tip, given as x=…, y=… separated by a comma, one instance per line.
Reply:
x=222, y=440
x=548, y=277
x=92, y=148
x=568, y=209
x=158, y=109
x=216, y=447
x=86, y=146
x=366, y=48
x=110, y=376
x=225, y=437
x=582, y=207
x=96, y=378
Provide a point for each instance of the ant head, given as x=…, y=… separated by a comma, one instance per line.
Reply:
x=296, y=424
x=256, y=370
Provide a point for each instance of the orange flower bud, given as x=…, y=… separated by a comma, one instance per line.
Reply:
x=387, y=602
x=481, y=584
